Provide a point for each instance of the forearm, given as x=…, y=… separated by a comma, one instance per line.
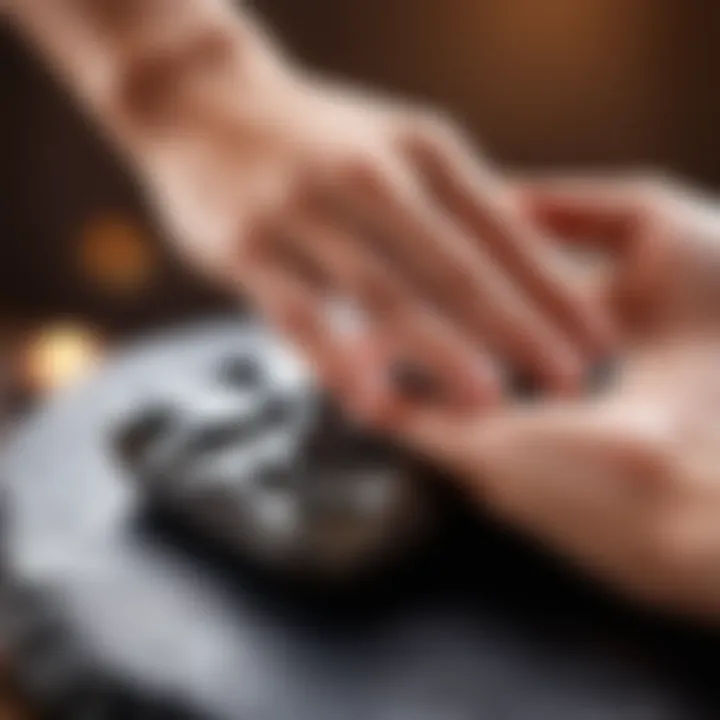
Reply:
x=146, y=67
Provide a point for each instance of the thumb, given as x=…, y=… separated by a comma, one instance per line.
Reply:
x=594, y=211
x=535, y=463
x=584, y=480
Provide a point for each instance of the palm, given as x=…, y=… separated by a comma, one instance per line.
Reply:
x=624, y=482
x=665, y=291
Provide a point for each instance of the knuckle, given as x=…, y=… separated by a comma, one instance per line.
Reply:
x=435, y=121
x=439, y=134
x=446, y=131
x=651, y=186
x=360, y=170
x=433, y=130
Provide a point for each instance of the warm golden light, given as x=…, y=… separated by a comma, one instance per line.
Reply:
x=116, y=254
x=58, y=355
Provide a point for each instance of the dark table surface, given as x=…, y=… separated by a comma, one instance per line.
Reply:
x=481, y=626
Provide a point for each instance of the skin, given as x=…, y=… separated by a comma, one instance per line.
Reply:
x=299, y=191
x=625, y=483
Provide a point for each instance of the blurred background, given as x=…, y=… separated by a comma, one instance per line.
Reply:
x=542, y=83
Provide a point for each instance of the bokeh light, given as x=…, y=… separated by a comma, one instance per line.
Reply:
x=58, y=355
x=116, y=254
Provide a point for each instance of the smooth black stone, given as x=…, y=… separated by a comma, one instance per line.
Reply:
x=291, y=528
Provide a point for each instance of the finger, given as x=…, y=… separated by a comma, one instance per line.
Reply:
x=485, y=207
x=464, y=283
x=595, y=210
x=631, y=221
x=396, y=315
x=500, y=434
x=569, y=474
x=301, y=315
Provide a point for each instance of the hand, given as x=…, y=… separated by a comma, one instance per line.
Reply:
x=663, y=241
x=298, y=191
x=626, y=483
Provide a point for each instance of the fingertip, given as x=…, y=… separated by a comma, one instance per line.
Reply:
x=386, y=413
x=476, y=382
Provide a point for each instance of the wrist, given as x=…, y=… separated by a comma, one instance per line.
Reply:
x=192, y=82
x=149, y=69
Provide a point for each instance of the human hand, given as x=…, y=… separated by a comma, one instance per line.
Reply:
x=663, y=242
x=624, y=483
x=298, y=191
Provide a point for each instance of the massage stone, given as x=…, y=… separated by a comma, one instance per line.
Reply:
x=253, y=456
x=113, y=606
